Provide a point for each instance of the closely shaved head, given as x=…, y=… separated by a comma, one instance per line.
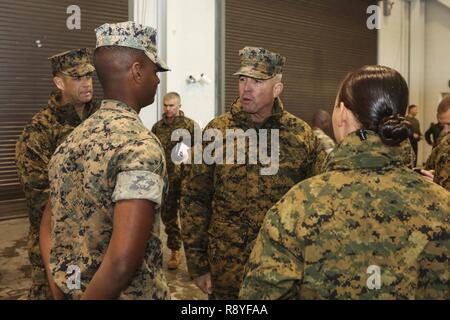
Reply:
x=172, y=104
x=113, y=62
x=172, y=95
x=124, y=71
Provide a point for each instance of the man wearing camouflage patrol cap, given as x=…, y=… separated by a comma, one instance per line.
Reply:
x=108, y=180
x=223, y=206
x=67, y=107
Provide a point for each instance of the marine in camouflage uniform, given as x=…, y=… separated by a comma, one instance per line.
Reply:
x=111, y=157
x=163, y=130
x=223, y=205
x=46, y=130
x=368, y=209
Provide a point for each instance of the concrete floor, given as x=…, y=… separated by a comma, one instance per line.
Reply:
x=15, y=268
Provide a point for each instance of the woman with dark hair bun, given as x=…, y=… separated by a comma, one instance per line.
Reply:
x=377, y=98
x=367, y=228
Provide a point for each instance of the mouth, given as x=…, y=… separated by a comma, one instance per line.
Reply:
x=247, y=99
x=86, y=93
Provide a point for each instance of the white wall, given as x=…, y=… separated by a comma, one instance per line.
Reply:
x=191, y=51
x=417, y=62
x=186, y=41
x=393, y=39
x=445, y=2
x=152, y=13
x=422, y=58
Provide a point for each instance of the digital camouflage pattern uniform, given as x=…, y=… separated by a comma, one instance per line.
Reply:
x=408, y=155
x=163, y=130
x=223, y=205
x=442, y=162
x=131, y=35
x=431, y=161
x=415, y=127
x=111, y=157
x=325, y=142
x=46, y=130
x=368, y=209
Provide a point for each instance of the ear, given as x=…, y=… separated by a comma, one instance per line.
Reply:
x=278, y=89
x=349, y=118
x=137, y=72
x=341, y=112
x=59, y=83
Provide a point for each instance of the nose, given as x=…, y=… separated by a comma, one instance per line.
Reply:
x=247, y=85
x=86, y=82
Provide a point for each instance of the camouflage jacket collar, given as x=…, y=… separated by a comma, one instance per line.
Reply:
x=243, y=119
x=441, y=136
x=111, y=104
x=67, y=113
x=372, y=154
x=177, y=118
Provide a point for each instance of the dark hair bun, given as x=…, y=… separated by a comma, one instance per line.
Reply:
x=394, y=129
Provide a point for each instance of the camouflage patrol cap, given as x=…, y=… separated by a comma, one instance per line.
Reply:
x=132, y=35
x=260, y=63
x=74, y=63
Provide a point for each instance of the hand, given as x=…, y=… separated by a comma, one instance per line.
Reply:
x=56, y=291
x=204, y=283
x=429, y=174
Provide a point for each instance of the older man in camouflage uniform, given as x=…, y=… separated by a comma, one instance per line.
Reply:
x=173, y=119
x=223, y=205
x=67, y=107
x=108, y=180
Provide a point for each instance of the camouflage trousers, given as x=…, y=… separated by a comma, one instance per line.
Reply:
x=40, y=289
x=169, y=216
x=226, y=261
